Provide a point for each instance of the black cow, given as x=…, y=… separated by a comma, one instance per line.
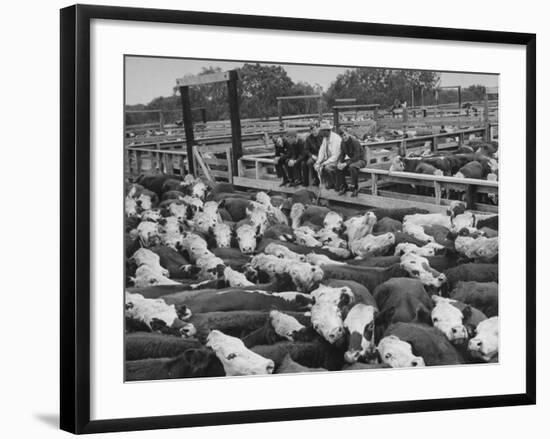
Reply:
x=481, y=295
x=370, y=277
x=400, y=300
x=192, y=363
x=140, y=345
x=472, y=272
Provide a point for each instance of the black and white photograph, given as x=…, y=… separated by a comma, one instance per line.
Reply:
x=298, y=218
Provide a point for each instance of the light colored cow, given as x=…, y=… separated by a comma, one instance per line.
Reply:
x=285, y=326
x=485, y=344
x=145, y=256
x=417, y=231
x=359, y=226
x=372, y=245
x=283, y=252
x=222, y=235
x=328, y=311
x=419, y=268
x=398, y=353
x=296, y=212
x=449, y=319
x=235, y=278
x=146, y=276
x=429, y=249
x=147, y=232
x=360, y=325
x=236, y=358
x=306, y=236
x=474, y=248
x=428, y=219
x=247, y=238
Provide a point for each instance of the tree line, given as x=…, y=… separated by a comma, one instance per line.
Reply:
x=260, y=85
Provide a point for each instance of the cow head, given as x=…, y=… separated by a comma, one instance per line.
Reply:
x=235, y=357
x=330, y=238
x=199, y=189
x=360, y=325
x=147, y=276
x=333, y=221
x=429, y=249
x=485, y=343
x=157, y=315
x=247, y=238
x=263, y=198
x=450, y=320
x=456, y=208
x=305, y=276
x=397, y=164
x=283, y=252
x=398, y=353
x=222, y=235
x=419, y=268
x=306, y=236
x=372, y=245
x=285, y=326
x=327, y=313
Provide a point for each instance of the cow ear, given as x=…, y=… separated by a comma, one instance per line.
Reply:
x=423, y=315
x=467, y=313
x=258, y=230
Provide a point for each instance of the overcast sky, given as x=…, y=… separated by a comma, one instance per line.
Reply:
x=149, y=77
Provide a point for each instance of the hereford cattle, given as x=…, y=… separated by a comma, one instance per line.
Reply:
x=279, y=232
x=375, y=261
x=329, y=311
x=440, y=234
x=140, y=345
x=473, y=169
x=316, y=354
x=387, y=225
x=280, y=326
x=156, y=315
x=478, y=272
x=232, y=257
x=398, y=213
x=429, y=249
x=357, y=227
x=155, y=182
x=480, y=248
x=490, y=222
x=359, y=324
x=248, y=236
x=301, y=249
x=236, y=207
x=481, y=295
x=193, y=363
x=426, y=342
x=236, y=358
x=485, y=343
x=370, y=277
x=146, y=276
x=235, y=299
x=419, y=267
x=307, y=237
x=372, y=245
x=174, y=262
x=397, y=353
x=450, y=320
x=400, y=300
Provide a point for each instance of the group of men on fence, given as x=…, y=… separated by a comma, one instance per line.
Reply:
x=322, y=153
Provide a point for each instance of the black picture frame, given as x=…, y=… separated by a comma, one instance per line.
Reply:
x=75, y=216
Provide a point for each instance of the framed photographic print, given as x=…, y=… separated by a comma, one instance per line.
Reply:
x=260, y=212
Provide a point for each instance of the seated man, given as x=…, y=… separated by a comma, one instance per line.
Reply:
x=329, y=153
x=295, y=157
x=281, y=157
x=352, y=159
x=310, y=153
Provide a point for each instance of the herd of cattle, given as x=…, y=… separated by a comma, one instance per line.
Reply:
x=220, y=282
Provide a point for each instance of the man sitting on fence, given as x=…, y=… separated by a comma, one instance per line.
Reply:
x=310, y=153
x=281, y=157
x=329, y=153
x=352, y=158
x=295, y=157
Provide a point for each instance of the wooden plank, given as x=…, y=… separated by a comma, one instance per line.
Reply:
x=286, y=98
x=330, y=194
x=203, y=79
x=229, y=161
x=205, y=169
x=355, y=107
x=217, y=173
x=440, y=178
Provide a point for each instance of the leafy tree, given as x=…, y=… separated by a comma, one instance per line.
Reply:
x=380, y=86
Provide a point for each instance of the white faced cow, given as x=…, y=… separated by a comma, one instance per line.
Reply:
x=360, y=326
x=485, y=344
x=397, y=353
x=236, y=358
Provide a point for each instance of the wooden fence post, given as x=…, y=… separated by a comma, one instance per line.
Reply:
x=188, y=123
x=374, y=183
x=236, y=136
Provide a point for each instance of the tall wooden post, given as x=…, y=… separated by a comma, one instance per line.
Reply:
x=320, y=108
x=203, y=115
x=188, y=124
x=486, y=117
x=234, y=115
x=459, y=98
x=280, y=113
x=161, y=120
x=336, y=122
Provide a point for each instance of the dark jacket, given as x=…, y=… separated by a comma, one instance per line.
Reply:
x=295, y=149
x=311, y=146
x=353, y=149
x=282, y=150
